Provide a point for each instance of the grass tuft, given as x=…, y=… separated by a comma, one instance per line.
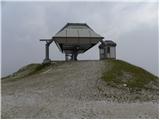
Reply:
x=28, y=70
x=122, y=73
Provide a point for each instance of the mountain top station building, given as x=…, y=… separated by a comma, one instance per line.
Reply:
x=74, y=39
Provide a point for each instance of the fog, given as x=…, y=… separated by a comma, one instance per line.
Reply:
x=132, y=25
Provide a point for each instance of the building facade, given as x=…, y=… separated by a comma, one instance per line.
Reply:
x=107, y=50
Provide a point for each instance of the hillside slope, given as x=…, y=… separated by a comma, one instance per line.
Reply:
x=77, y=90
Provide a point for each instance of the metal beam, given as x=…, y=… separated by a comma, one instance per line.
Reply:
x=45, y=39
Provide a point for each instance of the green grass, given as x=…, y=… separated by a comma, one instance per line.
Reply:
x=122, y=73
x=28, y=70
x=38, y=68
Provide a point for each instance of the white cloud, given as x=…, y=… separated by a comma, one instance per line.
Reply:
x=127, y=17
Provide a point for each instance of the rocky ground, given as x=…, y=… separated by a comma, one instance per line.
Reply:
x=74, y=90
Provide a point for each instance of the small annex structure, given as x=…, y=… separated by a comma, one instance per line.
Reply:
x=74, y=39
x=107, y=49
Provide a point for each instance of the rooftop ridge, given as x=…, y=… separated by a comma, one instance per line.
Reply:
x=76, y=24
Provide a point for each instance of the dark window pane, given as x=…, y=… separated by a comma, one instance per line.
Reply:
x=108, y=49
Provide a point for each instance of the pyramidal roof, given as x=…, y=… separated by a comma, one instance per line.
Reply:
x=77, y=30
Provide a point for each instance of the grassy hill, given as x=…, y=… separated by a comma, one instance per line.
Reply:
x=81, y=89
x=29, y=70
x=123, y=74
x=116, y=73
x=26, y=71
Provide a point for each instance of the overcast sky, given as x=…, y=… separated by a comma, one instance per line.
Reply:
x=132, y=25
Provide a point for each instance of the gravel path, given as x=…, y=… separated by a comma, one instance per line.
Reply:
x=69, y=90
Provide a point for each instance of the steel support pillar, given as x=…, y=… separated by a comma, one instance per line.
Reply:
x=66, y=57
x=47, y=60
x=75, y=53
x=74, y=56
